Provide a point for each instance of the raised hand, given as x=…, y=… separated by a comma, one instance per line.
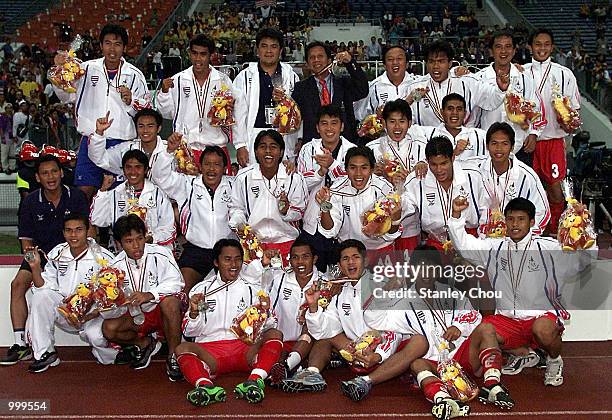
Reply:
x=167, y=84
x=173, y=142
x=102, y=124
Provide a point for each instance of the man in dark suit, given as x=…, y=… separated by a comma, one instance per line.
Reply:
x=325, y=88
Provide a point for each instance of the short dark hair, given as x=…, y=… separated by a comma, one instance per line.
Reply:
x=438, y=47
x=439, y=146
x=539, y=31
x=274, y=135
x=352, y=243
x=330, y=111
x=149, y=112
x=223, y=243
x=426, y=255
x=126, y=224
x=46, y=158
x=503, y=33
x=202, y=40
x=270, y=33
x=504, y=127
x=521, y=204
x=314, y=44
x=139, y=155
x=392, y=47
x=78, y=217
x=398, y=105
x=301, y=242
x=364, y=151
x=453, y=97
x=114, y=29
x=214, y=150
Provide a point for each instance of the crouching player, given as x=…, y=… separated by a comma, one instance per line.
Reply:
x=69, y=264
x=155, y=282
x=527, y=270
x=213, y=303
x=443, y=318
x=340, y=324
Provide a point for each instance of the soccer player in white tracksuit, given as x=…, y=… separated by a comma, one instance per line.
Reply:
x=350, y=197
x=70, y=263
x=431, y=197
x=427, y=110
x=526, y=271
x=148, y=125
x=468, y=142
x=255, y=85
x=321, y=163
x=187, y=97
x=342, y=322
x=213, y=304
x=203, y=203
x=404, y=145
x=154, y=283
x=268, y=199
x=110, y=84
x=505, y=178
x=109, y=205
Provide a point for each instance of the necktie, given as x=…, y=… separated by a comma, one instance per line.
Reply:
x=325, y=98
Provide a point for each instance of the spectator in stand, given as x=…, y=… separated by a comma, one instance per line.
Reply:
x=374, y=50
x=29, y=87
x=21, y=123
x=7, y=140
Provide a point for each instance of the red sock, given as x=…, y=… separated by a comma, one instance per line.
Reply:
x=266, y=357
x=555, y=214
x=196, y=372
x=434, y=390
x=491, y=360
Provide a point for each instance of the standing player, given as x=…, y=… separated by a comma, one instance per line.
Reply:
x=549, y=155
x=213, y=304
x=69, y=264
x=203, y=204
x=110, y=84
x=186, y=98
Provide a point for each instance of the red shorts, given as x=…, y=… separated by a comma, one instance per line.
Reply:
x=406, y=244
x=549, y=160
x=517, y=332
x=230, y=355
x=283, y=247
x=228, y=170
x=152, y=323
x=382, y=256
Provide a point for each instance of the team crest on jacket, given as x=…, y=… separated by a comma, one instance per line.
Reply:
x=286, y=293
x=431, y=198
x=121, y=205
x=532, y=265
x=255, y=190
x=187, y=91
x=211, y=304
x=511, y=191
x=62, y=267
x=421, y=316
x=94, y=80
x=151, y=203
x=199, y=196
x=347, y=209
x=503, y=264
x=152, y=279
x=346, y=307
x=384, y=97
x=225, y=197
x=241, y=305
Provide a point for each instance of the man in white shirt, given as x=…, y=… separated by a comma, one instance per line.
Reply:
x=187, y=98
x=260, y=85
x=110, y=84
x=213, y=304
x=321, y=163
x=136, y=195
x=69, y=264
x=203, y=204
x=427, y=92
x=525, y=271
x=503, y=47
x=268, y=199
x=549, y=156
x=155, y=282
x=374, y=50
x=21, y=123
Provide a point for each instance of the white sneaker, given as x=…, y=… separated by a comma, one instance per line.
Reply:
x=553, y=376
x=516, y=364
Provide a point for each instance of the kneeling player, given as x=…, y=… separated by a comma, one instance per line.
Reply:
x=213, y=303
x=343, y=322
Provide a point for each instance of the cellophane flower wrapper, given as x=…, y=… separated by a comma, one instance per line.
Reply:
x=520, y=110
x=390, y=166
x=67, y=74
x=77, y=305
x=185, y=160
x=109, y=293
x=565, y=113
x=376, y=221
x=221, y=112
x=371, y=126
x=458, y=384
x=576, y=227
x=251, y=244
x=496, y=224
x=288, y=116
x=368, y=340
x=257, y=318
